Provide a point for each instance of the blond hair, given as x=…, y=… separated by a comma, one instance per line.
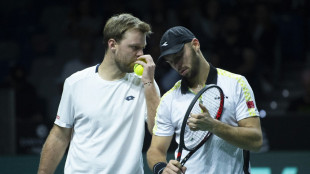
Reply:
x=117, y=25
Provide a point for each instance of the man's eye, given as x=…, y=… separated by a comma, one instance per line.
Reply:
x=177, y=58
x=135, y=47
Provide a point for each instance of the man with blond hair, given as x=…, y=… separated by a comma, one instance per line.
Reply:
x=103, y=108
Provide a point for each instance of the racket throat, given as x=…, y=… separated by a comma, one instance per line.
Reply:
x=179, y=155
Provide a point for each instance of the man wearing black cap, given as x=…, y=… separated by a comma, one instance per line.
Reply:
x=239, y=130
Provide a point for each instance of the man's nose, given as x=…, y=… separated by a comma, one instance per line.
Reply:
x=140, y=53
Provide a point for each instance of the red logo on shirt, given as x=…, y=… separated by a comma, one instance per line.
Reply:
x=58, y=117
x=250, y=104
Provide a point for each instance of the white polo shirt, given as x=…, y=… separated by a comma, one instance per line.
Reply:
x=108, y=121
x=216, y=156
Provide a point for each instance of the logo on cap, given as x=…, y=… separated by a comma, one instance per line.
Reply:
x=177, y=37
x=164, y=44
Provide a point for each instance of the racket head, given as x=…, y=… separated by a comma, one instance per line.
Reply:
x=212, y=98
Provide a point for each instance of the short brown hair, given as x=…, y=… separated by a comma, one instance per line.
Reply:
x=117, y=25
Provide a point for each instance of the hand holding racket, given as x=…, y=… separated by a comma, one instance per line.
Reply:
x=208, y=100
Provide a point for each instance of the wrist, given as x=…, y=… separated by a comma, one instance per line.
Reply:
x=159, y=167
x=147, y=83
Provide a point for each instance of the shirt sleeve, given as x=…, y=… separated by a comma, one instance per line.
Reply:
x=245, y=101
x=65, y=114
x=163, y=123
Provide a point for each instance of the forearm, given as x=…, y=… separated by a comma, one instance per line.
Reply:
x=158, y=150
x=152, y=101
x=52, y=153
x=50, y=157
x=155, y=156
x=249, y=138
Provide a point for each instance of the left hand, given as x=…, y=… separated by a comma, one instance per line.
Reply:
x=149, y=67
x=202, y=121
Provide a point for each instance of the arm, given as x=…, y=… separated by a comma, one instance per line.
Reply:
x=151, y=95
x=152, y=101
x=247, y=135
x=54, y=149
x=158, y=153
x=158, y=150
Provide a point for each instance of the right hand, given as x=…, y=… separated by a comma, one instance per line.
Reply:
x=174, y=167
x=149, y=67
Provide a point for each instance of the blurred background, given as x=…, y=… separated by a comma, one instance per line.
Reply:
x=268, y=41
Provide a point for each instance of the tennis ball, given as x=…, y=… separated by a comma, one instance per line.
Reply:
x=138, y=69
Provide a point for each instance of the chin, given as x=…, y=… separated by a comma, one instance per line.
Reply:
x=188, y=75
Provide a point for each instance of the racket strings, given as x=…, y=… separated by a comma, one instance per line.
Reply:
x=211, y=100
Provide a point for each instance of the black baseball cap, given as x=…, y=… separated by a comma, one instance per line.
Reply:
x=173, y=40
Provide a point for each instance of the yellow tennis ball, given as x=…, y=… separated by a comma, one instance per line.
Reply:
x=138, y=69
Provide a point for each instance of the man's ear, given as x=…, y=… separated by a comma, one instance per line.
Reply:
x=112, y=45
x=195, y=43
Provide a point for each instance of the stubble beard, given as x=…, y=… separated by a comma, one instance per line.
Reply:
x=121, y=65
x=194, y=65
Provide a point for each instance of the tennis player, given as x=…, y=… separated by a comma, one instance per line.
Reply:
x=238, y=131
x=103, y=108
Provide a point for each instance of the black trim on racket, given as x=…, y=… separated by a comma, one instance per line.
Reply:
x=206, y=134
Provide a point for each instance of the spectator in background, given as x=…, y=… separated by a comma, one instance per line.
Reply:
x=233, y=50
x=158, y=16
x=84, y=20
x=264, y=35
x=301, y=105
x=29, y=110
x=29, y=106
x=161, y=16
x=209, y=23
x=263, y=32
x=84, y=60
x=35, y=46
x=187, y=14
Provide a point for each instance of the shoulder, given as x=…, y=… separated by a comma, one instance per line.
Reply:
x=229, y=78
x=173, y=91
x=229, y=75
x=80, y=75
x=234, y=83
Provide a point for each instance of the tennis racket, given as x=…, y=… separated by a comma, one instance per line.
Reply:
x=212, y=98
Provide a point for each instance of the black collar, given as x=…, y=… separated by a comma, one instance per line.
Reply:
x=211, y=79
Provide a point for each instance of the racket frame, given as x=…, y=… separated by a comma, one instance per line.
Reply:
x=189, y=109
